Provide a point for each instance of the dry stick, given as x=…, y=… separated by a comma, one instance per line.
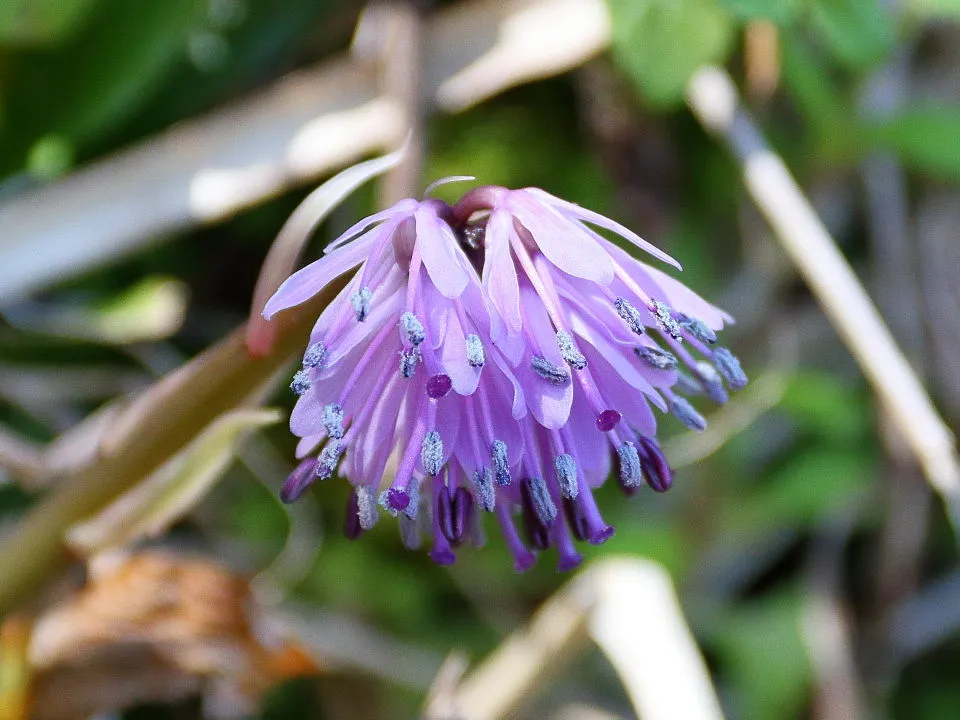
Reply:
x=712, y=96
x=651, y=649
x=155, y=427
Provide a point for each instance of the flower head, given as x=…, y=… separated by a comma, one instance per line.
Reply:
x=494, y=357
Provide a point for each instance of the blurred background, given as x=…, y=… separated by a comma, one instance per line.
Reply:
x=149, y=154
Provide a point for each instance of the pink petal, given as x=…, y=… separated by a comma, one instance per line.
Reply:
x=404, y=207
x=562, y=241
x=440, y=253
x=308, y=281
x=580, y=213
x=499, y=275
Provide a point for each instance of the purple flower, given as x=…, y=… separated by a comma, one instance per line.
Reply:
x=494, y=357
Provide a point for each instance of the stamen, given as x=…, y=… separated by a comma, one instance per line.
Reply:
x=712, y=383
x=630, y=315
x=299, y=481
x=412, y=328
x=472, y=235
x=461, y=511
x=569, y=352
x=444, y=512
x=366, y=507
x=608, y=420
x=698, y=328
x=567, y=475
x=333, y=420
x=655, y=468
x=316, y=356
x=656, y=358
x=729, y=366
x=300, y=383
x=685, y=413
x=431, y=453
x=542, y=502
x=393, y=500
x=361, y=303
x=409, y=533
x=501, y=466
x=575, y=518
x=665, y=320
x=548, y=371
x=484, y=490
x=438, y=386
x=475, y=354
x=351, y=520
x=687, y=385
x=630, y=471
x=408, y=362
x=329, y=457
x=413, y=492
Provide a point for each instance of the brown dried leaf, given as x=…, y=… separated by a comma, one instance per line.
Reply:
x=156, y=627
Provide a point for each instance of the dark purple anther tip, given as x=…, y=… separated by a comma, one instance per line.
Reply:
x=569, y=562
x=444, y=511
x=602, y=535
x=398, y=499
x=351, y=521
x=299, y=481
x=524, y=561
x=438, y=386
x=655, y=468
x=607, y=420
x=443, y=557
x=575, y=518
x=462, y=507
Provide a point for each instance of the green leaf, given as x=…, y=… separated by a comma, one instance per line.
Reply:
x=781, y=12
x=150, y=507
x=808, y=488
x=935, y=8
x=764, y=653
x=819, y=402
x=660, y=43
x=859, y=33
x=95, y=80
x=34, y=22
x=928, y=139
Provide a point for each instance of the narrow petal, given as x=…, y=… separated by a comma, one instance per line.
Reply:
x=499, y=274
x=441, y=256
x=580, y=213
x=308, y=281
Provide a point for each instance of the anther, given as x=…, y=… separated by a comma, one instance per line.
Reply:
x=329, y=457
x=548, y=371
x=569, y=351
x=483, y=489
x=333, y=420
x=412, y=328
x=685, y=413
x=316, y=356
x=729, y=366
x=409, y=533
x=654, y=465
x=631, y=316
x=567, y=475
x=300, y=383
x=361, y=303
x=656, y=358
x=366, y=507
x=698, y=328
x=608, y=420
x=542, y=502
x=299, y=481
x=666, y=321
x=475, y=354
x=501, y=466
x=461, y=511
x=438, y=386
x=408, y=362
x=393, y=500
x=710, y=378
x=630, y=471
x=431, y=453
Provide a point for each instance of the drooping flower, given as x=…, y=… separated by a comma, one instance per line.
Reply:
x=494, y=356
